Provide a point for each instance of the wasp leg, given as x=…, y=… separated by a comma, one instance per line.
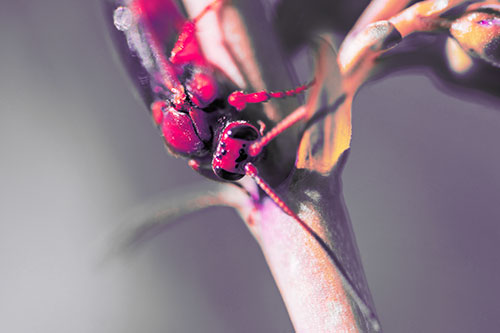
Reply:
x=239, y=99
x=187, y=35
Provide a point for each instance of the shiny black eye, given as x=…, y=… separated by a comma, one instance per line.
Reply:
x=226, y=175
x=244, y=133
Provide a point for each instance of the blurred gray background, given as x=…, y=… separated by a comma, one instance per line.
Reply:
x=78, y=150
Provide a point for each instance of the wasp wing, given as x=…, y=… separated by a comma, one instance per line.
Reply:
x=143, y=33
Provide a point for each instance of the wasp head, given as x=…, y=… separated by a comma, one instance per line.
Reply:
x=232, y=154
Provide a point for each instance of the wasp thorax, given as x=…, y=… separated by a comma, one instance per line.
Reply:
x=202, y=89
x=232, y=154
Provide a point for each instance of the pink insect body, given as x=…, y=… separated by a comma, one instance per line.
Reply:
x=200, y=112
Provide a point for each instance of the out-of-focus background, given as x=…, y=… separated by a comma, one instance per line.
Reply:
x=77, y=150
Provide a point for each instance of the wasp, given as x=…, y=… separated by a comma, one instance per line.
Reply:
x=200, y=112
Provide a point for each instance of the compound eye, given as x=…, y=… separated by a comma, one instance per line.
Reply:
x=226, y=175
x=180, y=134
x=244, y=132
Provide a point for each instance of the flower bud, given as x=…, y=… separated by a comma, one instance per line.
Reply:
x=478, y=33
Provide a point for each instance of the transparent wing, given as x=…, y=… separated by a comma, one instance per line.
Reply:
x=132, y=26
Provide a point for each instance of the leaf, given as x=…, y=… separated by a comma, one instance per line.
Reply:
x=328, y=134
